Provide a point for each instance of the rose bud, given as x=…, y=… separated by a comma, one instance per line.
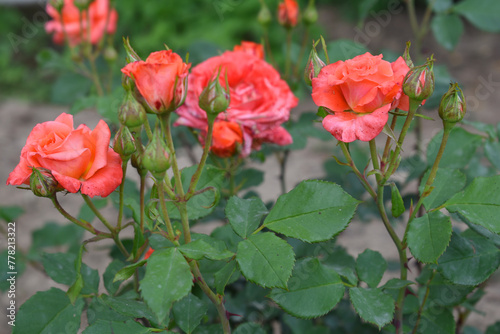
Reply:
x=131, y=54
x=310, y=15
x=406, y=55
x=124, y=143
x=314, y=65
x=215, y=99
x=419, y=82
x=132, y=113
x=57, y=4
x=136, y=162
x=288, y=13
x=226, y=138
x=452, y=107
x=264, y=17
x=43, y=183
x=156, y=156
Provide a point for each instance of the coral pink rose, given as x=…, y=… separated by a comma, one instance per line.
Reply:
x=99, y=16
x=260, y=100
x=288, y=13
x=360, y=92
x=255, y=49
x=160, y=80
x=79, y=159
x=225, y=137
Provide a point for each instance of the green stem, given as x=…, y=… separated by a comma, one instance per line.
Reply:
x=92, y=207
x=360, y=176
x=288, y=59
x=421, y=308
x=387, y=147
x=165, y=123
x=164, y=211
x=199, y=169
x=95, y=77
x=375, y=163
x=120, y=193
x=142, y=205
x=147, y=127
x=282, y=161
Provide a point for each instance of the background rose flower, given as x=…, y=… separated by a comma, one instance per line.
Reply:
x=360, y=92
x=255, y=49
x=260, y=100
x=160, y=79
x=225, y=137
x=99, y=13
x=288, y=13
x=79, y=159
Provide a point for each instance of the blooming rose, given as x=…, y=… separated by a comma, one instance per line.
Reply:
x=360, y=92
x=101, y=17
x=288, y=13
x=255, y=49
x=225, y=136
x=79, y=159
x=160, y=79
x=260, y=99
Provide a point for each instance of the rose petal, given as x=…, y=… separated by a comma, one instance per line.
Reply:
x=105, y=180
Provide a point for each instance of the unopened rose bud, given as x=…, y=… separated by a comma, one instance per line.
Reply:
x=419, y=82
x=156, y=156
x=288, y=13
x=215, y=99
x=313, y=67
x=310, y=15
x=452, y=107
x=132, y=113
x=43, y=183
x=264, y=17
x=136, y=162
x=110, y=54
x=124, y=143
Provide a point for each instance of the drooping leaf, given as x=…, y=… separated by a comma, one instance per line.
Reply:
x=188, y=312
x=313, y=211
x=245, y=215
x=372, y=305
x=370, y=267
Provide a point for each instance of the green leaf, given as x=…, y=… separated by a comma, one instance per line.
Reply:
x=82, y=103
x=470, y=259
x=493, y=329
x=440, y=5
x=245, y=215
x=343, y=49
x=443, y=293
x=188, y=312
x=479, y=203
x=436, y=321
x=128, y=307
x=313, y=290
x=199, y=249
x=109, y=275
x=266, y=260
x=428, y=236
x=372, y=305
x=370, y=267
x=49, y=312
x=313, y=211
x=364, y=6
x=447, y=29
x=448, y=182
x=98, y=310
x=128, y=271
x=248, y=328
x=203, y=204
x=481, y=13
x=52, y=234
x=398, y=206
x=342, y=262
x=166, y=268
x=128, y=327
x=460, y=148
x=249, y=177
x=228, y=274
x=396, y=283
x=491, y=150
x=69, y=87
x=10, y=213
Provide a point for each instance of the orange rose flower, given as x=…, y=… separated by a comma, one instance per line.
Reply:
x=225, y=137
x=79, y=159
x=161, y=80
x=288, y=13
x=99, y=18
x=252, y=48
x=360, y=92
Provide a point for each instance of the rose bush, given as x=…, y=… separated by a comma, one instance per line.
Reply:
x=79, y=159
x=260, y=100
x=99, y=18
x=360, y=92
x=160, y=80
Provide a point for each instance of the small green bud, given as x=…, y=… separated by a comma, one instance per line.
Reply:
x=215, y=99
x=313, y=67
x=452, y=107
x=110, y=54
x=264, y=17
x=82, y=4
x=57, y=4
x=132, y=114
x=124, y=143
x=136, y=162
x=156, y=157
x=43, y=183
x=310, y=15
x=406, y=55
x=419, y=82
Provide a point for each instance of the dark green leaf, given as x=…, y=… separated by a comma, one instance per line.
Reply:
x=313, y=290
x=370, y=267
x=398, y=206
x=443, y=293
x=341, y=261
x=48, y=312
x=428, y=236
x=188, y=312
x=479, y=203
x=128, y=327
x=128, y=307
x=249, y=177
x=248, y=328
x=448, y=182
x=52, y=234
x=82, y=103
x=492, y=149
x=128, y=271
x=364, y=6
x=266, y=260
x=437, y=321
x=494, y=329
x=313, y=211
x=245, y=215
x=109, y=275
x=199, y=249
x=396, y=283
x=69, y=87
x=228, y=274
x=10, y=213
x=372, y=305
x=343, y=49
x=440, y=5
x=481, y=13
x=98, y=310
x=166, y=268
x=447, y=29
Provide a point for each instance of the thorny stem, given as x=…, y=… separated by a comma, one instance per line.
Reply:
x=98, y=214
x=421, y=308
x=360, y=176
x=165, y=123
x=163, y=207
x=282, y=161
x=120, y=194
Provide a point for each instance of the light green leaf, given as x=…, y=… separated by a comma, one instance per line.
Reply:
x=428, y=236
x=448, y=182
x=370, y=267
x=398, y=206
x=447, y=29
x=266, y=260
x=481, y=13
x=188, y=312
x=199, y=249
x=313, y=290
x=479, y=203
x=313, y=211
x=372, y=305
x=245, y=215
x=49, y=312
x=128, y=271
x=166, y=268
